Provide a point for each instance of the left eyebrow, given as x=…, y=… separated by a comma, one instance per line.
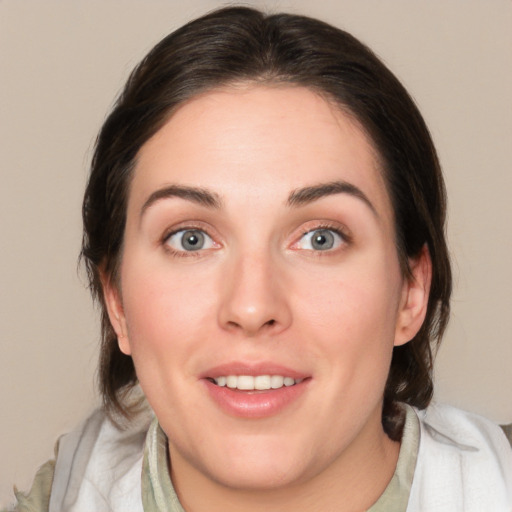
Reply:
x=306, y=195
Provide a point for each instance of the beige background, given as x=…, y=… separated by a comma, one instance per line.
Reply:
x=61, y=64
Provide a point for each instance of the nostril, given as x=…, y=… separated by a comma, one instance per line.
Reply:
x=245, y=326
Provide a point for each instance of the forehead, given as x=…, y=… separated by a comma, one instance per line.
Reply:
x=259, y=140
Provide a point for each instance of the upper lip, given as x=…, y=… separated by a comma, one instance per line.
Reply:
x=254, y=369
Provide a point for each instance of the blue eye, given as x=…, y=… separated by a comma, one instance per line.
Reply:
x=189, y=240
x=320, y=240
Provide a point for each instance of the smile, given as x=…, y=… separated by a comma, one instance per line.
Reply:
x=258, y=382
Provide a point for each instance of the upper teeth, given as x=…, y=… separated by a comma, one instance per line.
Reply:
x=260, y=382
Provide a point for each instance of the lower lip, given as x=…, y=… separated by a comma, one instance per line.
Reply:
x=255, y=404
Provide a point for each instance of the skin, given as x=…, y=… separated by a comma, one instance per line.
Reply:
x=260, y=292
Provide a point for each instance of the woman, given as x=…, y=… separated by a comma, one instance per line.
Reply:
x=264, y=231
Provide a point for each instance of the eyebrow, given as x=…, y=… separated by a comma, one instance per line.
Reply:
x=306, y=195
x=197, y=195
x=298, y=197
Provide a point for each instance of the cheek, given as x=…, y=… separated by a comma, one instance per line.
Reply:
x=351, y=315
x=357, y=297
x=164, y=308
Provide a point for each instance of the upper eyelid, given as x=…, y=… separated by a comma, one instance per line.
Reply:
x=182, y=251
x=173, y=232
x=345, y=235
x=336, y=227
x=187, y=226
x=339, y=233
x=334, y=230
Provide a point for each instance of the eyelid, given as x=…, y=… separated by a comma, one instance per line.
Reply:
x=310, y=227
x=189, y=226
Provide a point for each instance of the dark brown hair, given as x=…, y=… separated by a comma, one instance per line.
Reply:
x=239, y=44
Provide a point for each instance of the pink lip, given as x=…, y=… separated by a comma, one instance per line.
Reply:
x=254, y=404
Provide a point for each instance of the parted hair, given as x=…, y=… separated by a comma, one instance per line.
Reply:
x=242, y=45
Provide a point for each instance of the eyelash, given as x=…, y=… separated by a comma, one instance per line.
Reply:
x=336, y=229
x=345, y=237
x=183, y=254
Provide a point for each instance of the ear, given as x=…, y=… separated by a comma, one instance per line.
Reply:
x=114, y=304
x=414, y=301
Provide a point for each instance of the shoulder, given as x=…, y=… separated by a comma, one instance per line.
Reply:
x=441, y=421
x=37, y=500
x=464, y=460
x=97, y=467
x=507, y=429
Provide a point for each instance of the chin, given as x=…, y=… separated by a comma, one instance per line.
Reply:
x=261, y=475
x=253, y=463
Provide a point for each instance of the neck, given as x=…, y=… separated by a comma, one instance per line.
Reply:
x=354, y=481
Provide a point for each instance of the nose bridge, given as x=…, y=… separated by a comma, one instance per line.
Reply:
x=253, y=300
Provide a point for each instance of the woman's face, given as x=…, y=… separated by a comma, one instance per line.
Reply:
x=261, y=294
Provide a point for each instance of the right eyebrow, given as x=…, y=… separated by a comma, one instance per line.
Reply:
x=197, y=195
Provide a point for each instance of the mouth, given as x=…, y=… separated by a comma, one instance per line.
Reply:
x=255, y=391
x=254, y=383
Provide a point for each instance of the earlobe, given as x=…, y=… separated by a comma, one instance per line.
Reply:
x=415, y=295
x=113, y=302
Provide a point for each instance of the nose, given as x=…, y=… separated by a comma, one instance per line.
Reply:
x=254, y=299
